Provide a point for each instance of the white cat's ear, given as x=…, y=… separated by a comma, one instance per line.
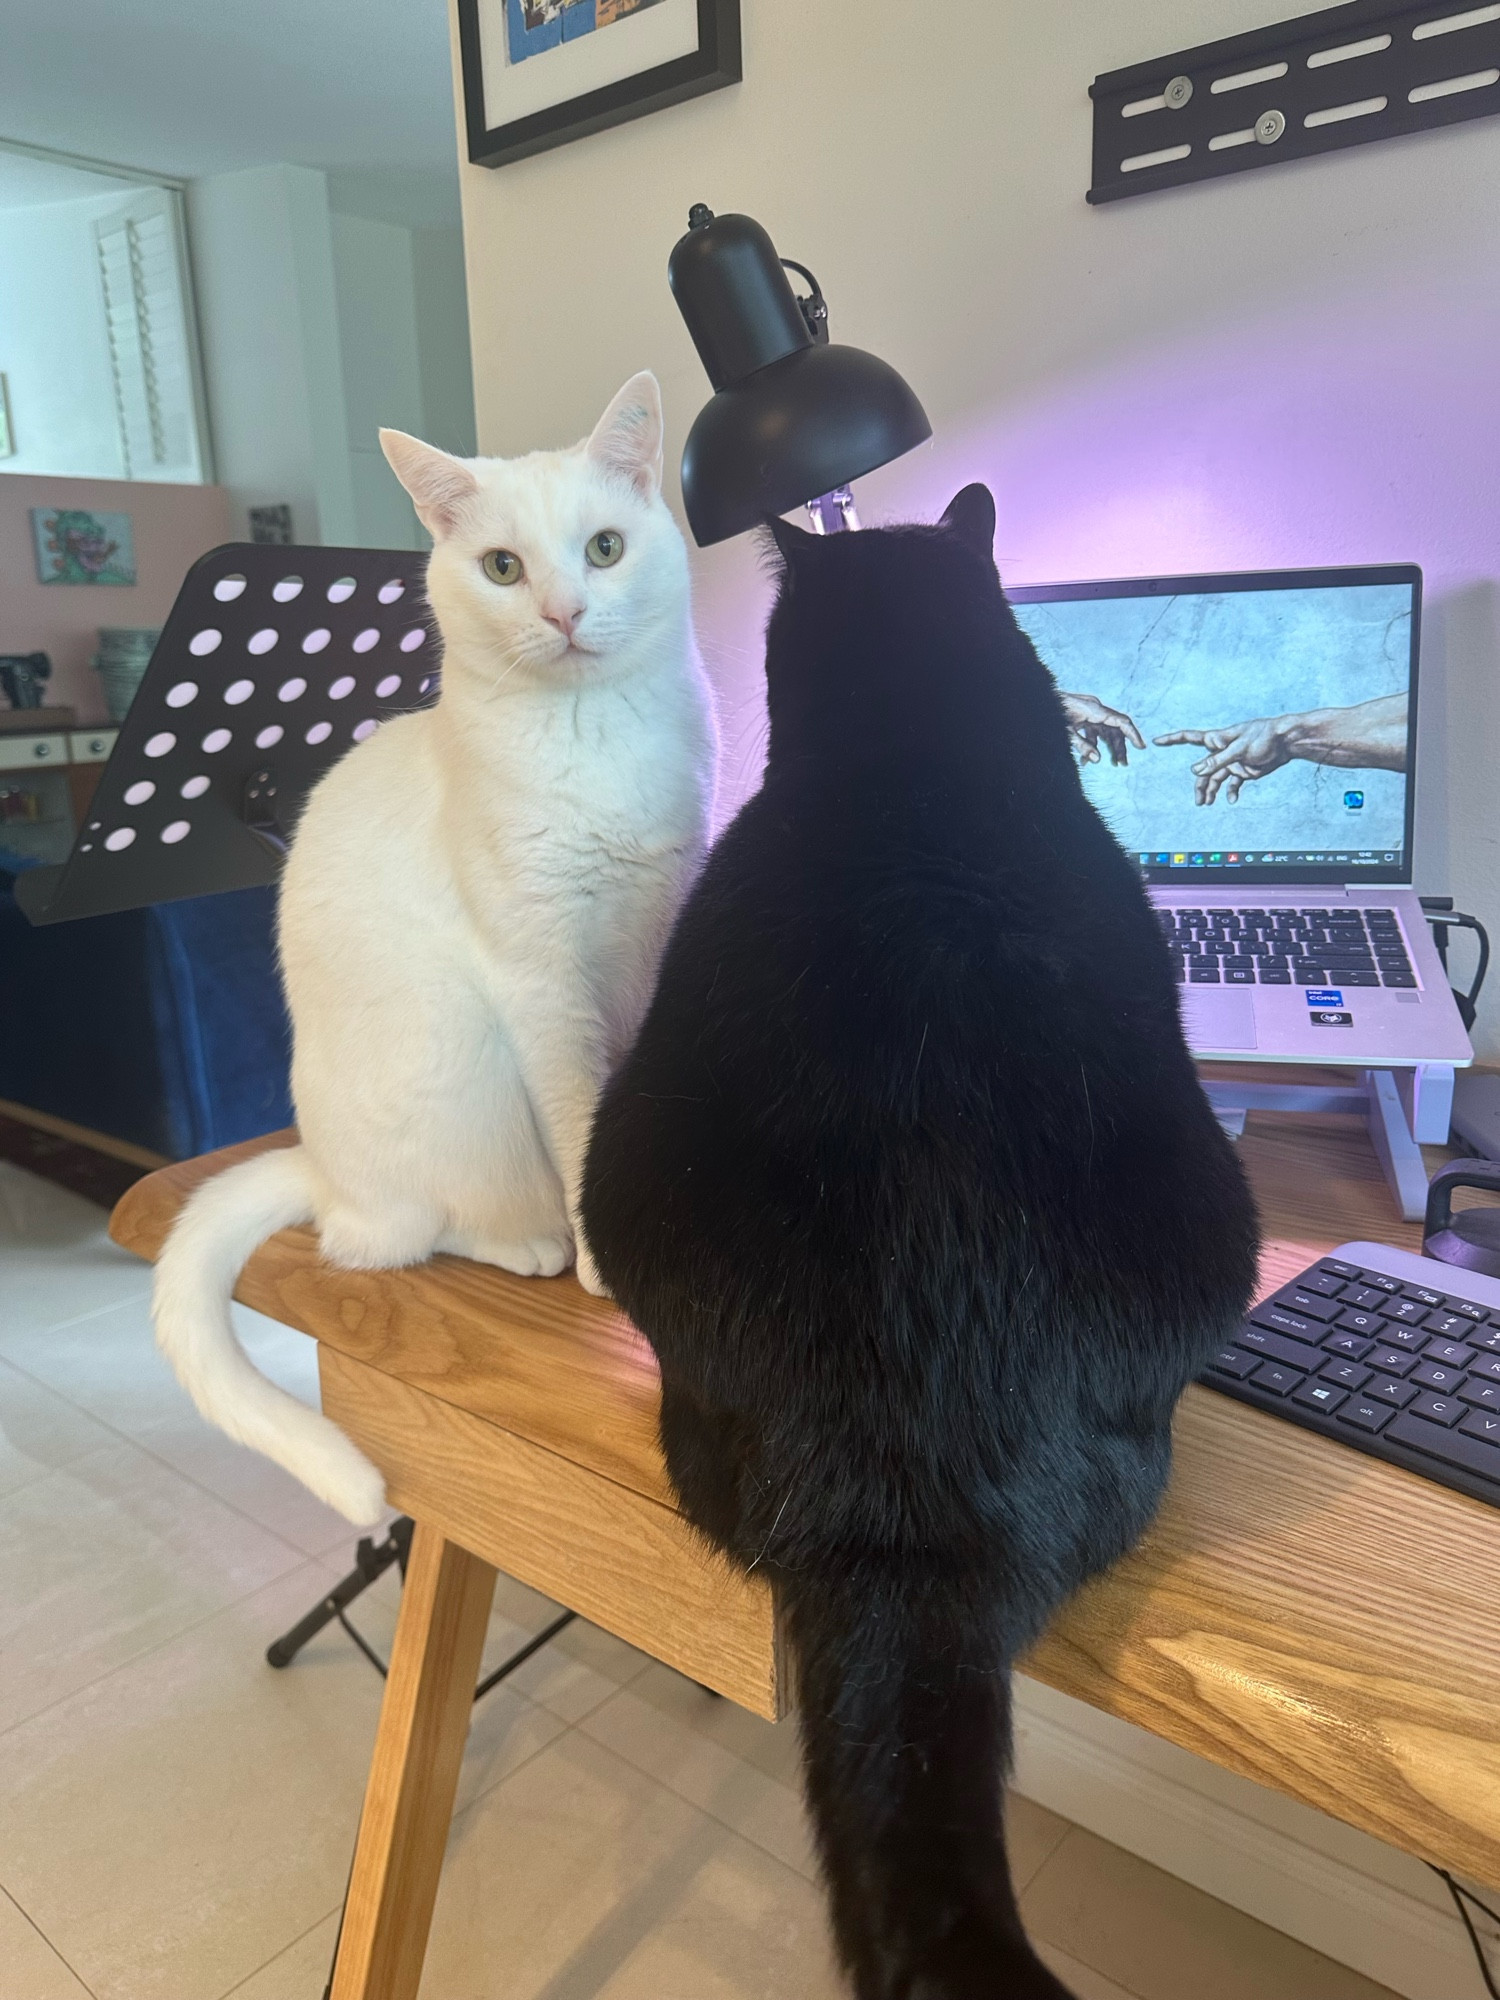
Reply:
x=439, y=485
x=628, y=438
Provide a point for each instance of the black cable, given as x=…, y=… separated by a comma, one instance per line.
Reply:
x=1443, y=917
x=1462, y=1897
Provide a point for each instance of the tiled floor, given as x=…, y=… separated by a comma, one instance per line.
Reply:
x=176, y=1817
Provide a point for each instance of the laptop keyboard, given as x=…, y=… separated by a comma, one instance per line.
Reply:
x=1283, y=947
x=1404, y=1370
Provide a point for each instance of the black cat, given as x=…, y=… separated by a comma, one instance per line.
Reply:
x=910, y=1184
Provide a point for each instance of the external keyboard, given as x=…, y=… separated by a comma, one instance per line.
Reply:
x=1340, y=947
x=1395, y=1354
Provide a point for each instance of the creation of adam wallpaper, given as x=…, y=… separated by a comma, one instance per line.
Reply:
x=1242, y=725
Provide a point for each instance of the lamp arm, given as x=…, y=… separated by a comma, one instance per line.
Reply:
x=814, y=309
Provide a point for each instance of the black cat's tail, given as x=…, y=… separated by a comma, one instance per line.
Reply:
x=904, y=1692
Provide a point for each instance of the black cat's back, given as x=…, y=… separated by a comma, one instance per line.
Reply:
x=910, y=1183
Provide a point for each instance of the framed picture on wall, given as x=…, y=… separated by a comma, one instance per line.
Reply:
x=76, y=545
x=538, y=73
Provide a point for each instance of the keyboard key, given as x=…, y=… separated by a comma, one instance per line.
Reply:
x=1445, y=1380
x=1276, y=1347
x=1367, y=1416
x=1204, y=975
x=1412, y=1338
x=1331, y=1267
x=1349, y=1375
x=1311, y=1305
x=1359, y=978
x=1386, y=1389
x=1392, y=1360
x=1271, y=975
x=1238, y=975
x=1319, y=1395
x=1480, y=1395
x=1423, y=1296
x=1277, y=1378
x=1488, y=1365
x=1444, y=1410
x=1409, y=1312
x=1363, y=1322
x=1281, y=1320
x=1469, y=1312
x=1489, y=1340
x=1397, y=979
x=1353, y=1345
x=1450, y=1351
x=1322, y=1280
x=1455, y=1447
x=1364, y=1298
x=1378, y=1281
x=1234, y=1361
x=1482, y=1424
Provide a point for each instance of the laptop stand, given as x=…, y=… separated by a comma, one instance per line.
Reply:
x=1406, y=1109
x=273, y=662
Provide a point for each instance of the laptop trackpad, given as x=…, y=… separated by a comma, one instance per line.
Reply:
x=1217, y=1020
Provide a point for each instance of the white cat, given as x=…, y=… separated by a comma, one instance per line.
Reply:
x=473, y=911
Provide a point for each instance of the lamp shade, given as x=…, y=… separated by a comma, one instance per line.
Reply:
x=793, y=416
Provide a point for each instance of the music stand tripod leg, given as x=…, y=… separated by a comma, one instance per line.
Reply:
x=371, y=1561
x=424, y=1721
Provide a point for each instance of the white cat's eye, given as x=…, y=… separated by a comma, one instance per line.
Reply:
x=500, y=566
x=605, y=548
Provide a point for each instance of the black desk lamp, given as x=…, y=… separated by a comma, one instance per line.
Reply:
x=794, y=419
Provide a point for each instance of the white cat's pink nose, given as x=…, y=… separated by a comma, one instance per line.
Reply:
x=564, y=617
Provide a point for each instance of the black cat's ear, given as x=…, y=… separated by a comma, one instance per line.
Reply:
x=971, y=516
x=790, y=539
x=785, y=547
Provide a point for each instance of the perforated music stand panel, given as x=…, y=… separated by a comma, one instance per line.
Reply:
x=273, y=660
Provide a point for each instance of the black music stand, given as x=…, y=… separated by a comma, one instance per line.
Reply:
x=272, y=663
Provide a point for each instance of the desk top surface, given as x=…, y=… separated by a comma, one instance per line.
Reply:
x=1300, y=1613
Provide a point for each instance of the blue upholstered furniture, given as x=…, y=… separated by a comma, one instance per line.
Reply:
x=162, y=1026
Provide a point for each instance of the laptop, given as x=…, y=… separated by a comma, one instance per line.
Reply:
x=1251, y=740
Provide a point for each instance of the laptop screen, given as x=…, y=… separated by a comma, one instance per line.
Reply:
x=1253, y=728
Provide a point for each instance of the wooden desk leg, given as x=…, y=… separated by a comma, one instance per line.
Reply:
x=424, y=1721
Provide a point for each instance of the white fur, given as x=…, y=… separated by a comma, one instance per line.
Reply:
x=472, y=915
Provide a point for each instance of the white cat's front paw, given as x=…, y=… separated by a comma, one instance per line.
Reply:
x=542, y=1257
x=587, y=1272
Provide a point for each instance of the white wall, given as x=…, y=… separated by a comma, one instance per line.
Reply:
x=54, y=343
x=262, y=248
x=443, y=340
x=376, y=289
x=1287, y=367
x=319, y=327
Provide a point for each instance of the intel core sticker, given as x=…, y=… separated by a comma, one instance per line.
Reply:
x=1324, y=996
x=1323, y=1017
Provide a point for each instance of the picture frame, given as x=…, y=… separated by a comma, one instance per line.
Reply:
x=541, y=73
x=77, y=545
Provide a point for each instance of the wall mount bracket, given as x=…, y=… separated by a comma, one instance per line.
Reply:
x=1341, y=77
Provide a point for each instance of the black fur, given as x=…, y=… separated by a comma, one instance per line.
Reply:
x=911, y=1186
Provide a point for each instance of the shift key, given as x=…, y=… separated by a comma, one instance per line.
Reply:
x=1281, y=1319
x=1276, y=1347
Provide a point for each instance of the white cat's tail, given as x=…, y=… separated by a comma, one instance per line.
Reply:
x=216, y=1232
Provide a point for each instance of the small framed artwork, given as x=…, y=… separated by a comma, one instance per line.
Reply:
x=76, y=545
x=538, y=73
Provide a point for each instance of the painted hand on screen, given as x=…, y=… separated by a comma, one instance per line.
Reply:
x=1371, y=735
x=1093, y=722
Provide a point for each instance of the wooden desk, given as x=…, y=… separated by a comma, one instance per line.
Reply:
x=1301, y=1614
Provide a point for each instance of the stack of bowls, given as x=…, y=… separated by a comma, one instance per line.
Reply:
x=121, y=662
